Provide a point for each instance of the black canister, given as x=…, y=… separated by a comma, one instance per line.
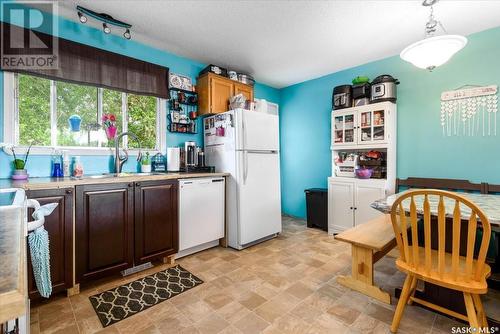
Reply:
x=342, y=97
x=201, y=159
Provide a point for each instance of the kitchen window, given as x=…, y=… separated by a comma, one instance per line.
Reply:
x=41, y=110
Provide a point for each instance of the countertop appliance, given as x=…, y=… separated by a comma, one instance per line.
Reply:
x=342, y=97
x=361, y=94
x=201, y=214
x=383, y=88
x=248, y=149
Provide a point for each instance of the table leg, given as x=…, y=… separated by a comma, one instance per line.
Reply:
x=362, y=275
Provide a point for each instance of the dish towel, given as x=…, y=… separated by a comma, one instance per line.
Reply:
x=38, y=241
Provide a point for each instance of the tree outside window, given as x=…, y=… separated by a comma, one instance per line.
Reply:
x=36, y=120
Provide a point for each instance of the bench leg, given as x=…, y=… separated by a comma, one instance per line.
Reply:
x=362, y=275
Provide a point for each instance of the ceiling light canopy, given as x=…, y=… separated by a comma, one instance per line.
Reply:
x=433, y=51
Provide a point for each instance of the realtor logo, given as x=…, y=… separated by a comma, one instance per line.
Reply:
x=34, y=47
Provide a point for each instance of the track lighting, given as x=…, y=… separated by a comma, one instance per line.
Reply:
x=126, y=34
x=105, y=28
x=106, y=19
x=82, y=18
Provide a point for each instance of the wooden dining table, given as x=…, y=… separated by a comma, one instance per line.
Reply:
x=489, y=203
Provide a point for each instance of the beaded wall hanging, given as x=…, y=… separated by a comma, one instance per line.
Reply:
x=470, y=111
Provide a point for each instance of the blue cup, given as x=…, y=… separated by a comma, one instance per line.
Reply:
x=74, y=123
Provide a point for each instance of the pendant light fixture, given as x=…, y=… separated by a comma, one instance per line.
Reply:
x=433, y=51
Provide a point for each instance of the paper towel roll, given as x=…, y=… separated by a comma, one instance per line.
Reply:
x=173, y=159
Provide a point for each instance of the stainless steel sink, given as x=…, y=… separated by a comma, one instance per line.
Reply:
x=108, y=175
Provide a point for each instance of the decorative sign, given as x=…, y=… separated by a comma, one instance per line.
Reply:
x=470, y=112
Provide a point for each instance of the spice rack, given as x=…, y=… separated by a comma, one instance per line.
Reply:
x=182, y=111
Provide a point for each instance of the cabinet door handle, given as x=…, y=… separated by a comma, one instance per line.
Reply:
x=69, y=191
x=352, y=208
x=137, y=183
x=130, y=184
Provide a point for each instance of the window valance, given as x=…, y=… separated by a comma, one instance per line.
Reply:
x=83, y=64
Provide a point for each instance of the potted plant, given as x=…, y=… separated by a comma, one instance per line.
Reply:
x=146, y=164
x=109, y=124
x=20, y=172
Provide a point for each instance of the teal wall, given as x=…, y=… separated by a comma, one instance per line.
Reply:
x=422, y=150
x=40, y=165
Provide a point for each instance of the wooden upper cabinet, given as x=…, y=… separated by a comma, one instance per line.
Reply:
x=221, y=91
x=246, y=90
x=214, y=92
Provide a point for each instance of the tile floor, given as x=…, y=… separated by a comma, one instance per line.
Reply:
x=285, y=285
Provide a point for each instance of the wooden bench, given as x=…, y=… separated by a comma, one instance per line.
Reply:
x=370, y=242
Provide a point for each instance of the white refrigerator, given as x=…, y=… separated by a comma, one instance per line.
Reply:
x=246, y=144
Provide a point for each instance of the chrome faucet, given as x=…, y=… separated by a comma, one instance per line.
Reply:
x=120, y=160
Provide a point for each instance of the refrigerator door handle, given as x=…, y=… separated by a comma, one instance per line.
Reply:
x=245, y=167
x=244, y=130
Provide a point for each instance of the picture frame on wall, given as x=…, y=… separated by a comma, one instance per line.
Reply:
x=180, y=82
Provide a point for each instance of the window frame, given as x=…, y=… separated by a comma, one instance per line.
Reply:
x=11, y=124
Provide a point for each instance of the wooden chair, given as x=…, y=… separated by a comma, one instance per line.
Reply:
x=450, y=270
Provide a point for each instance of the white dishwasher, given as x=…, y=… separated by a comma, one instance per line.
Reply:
x=201, y=214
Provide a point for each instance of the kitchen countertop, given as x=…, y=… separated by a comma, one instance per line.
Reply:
x=35, y=183
x=12, y=265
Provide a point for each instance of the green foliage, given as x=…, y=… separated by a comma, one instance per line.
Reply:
x=146, y=160
x=82, y=100
x=78, y=100
x=34, y=110
x=19, y=164
x=142, y=120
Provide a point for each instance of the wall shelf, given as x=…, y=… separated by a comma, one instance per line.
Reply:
x=183, y=91
x=182, y=115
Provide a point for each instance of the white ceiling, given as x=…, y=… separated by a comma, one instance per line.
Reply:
x=285, y=42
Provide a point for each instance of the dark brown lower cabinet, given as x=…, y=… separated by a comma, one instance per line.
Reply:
x=104, y=220
x=156, y=223
x=59, y=225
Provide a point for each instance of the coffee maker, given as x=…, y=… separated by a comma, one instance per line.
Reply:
x=190, y=154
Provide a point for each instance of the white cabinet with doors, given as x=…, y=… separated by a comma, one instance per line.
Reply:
x=356, y=131
x=349, y=202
